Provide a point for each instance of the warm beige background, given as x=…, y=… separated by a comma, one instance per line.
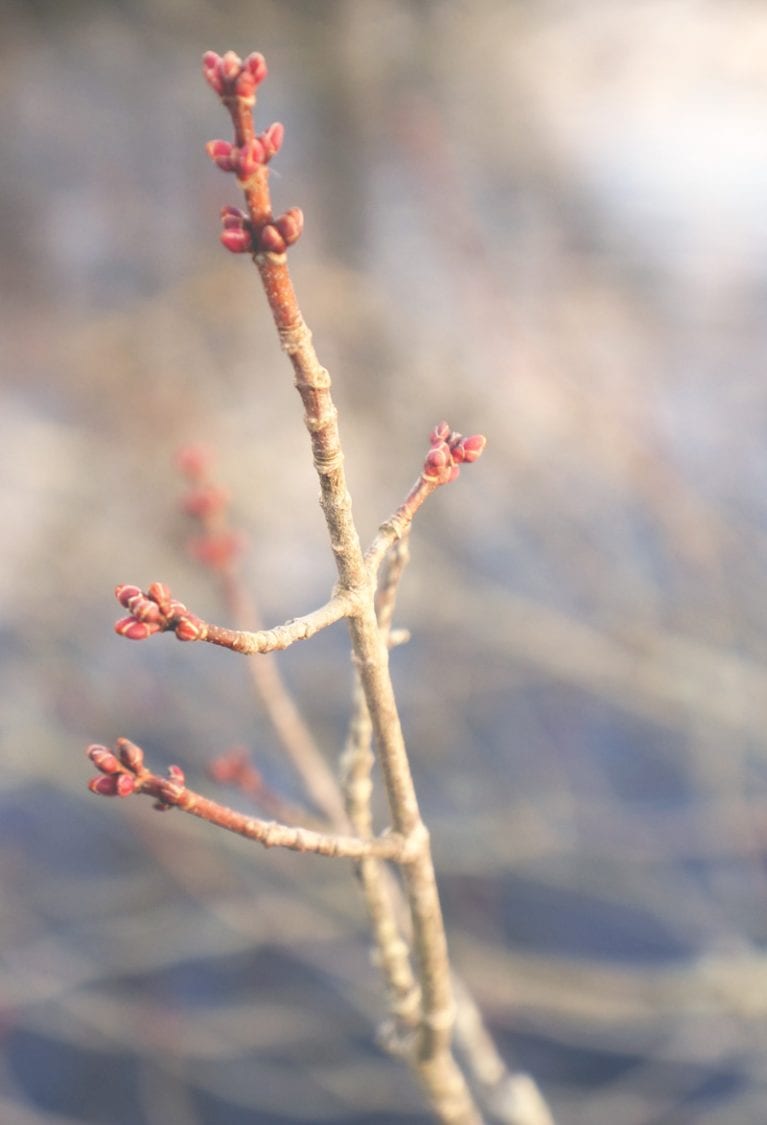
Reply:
x=545, y=221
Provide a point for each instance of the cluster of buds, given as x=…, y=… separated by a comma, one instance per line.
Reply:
x=119, y=771
x=156, y=611
x=449, y=450
x=230, y=77
x=239, y=235
x=207, y=503
x=245, y=160
x=122, y=772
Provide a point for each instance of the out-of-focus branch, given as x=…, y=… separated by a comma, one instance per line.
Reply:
x=123, y=773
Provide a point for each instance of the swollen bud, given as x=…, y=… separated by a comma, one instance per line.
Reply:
x=190, y=628
x=131, y=755
x=136, y=630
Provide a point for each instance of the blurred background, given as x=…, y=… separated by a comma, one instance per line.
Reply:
x=542, y=221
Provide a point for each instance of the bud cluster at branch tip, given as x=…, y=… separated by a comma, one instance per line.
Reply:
x=122, y=772
x=156, y=611
x=449, y=450
x=258, y=231
x=230, y=77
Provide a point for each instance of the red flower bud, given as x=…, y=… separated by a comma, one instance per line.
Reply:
x=190, y=628
x=103, y=786
x=270, y=240
x=143, y=609
x=103, y=759
x=125, y=784
x=437, y=459
x=217, y=551
x=211, y=69
x=161, y=596
x=175, y=773
x=440, y=433
x=472, y=447
x=223, y=154
x=230, y=66
x=290, y=225
x=194, y=461
x=249, y=158
x=205, y=501
x=237, y=241
x=229, y=76
x=136, y=630
x=131, y=755
x=125, y=594
x=255, y=65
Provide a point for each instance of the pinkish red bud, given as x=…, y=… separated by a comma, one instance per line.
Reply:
x=229, y=766
x=440, y=433
x=237, y=241
x=224, y=155
x=125, y=594
x=230, y=66
x=103, y=786
x=131, y=755
x=176, y=774
x=136, y=630
x=270, y=240
x=194, y=461
x=473, y=447
x=290, y=225
x=125, y=784
x=205, y=501
x=143, y=609
x=103, y=759
x=211, y=68
x=217, y=551
x=248, y=159
x=255, y=64
x=233, y=217
x=161, y=596
x=190, y=628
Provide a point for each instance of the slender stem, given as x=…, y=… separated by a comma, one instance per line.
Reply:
x=433, y=1057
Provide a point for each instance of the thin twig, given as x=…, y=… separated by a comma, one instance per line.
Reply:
x=124, y=774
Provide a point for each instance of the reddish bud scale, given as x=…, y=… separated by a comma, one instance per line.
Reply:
x=124, y=594
x=147, y=611
x=190, y=628
x=176, y=774
x=440, y=433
